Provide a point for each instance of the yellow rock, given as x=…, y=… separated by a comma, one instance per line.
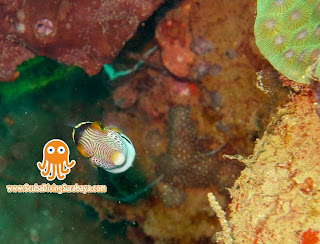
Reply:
x=277, y=197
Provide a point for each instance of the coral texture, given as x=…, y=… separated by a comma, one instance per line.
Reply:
x=174, y=37
x=184, y=224
x=225, y=234
x=223, y=110
x=11, y=56
x=84, y=33
x=276, y=198
x=183, y=164
x=288, y=34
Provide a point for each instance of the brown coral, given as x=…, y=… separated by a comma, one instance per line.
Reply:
x=84, y=33
x=185, y=224
x=183, y=165
x=124, y=96
x=11, y=55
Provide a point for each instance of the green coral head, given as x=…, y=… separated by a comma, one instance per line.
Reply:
x=287, y=33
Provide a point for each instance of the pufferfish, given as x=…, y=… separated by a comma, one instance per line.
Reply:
x=106, y=147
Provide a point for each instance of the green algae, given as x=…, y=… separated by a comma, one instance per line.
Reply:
x=35, y=74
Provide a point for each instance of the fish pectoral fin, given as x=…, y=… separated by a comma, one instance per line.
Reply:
x=93, y=165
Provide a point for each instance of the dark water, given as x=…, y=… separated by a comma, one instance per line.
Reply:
x=28, y=121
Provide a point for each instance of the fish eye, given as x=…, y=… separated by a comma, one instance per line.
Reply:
x=61, y=150
x=50, y=150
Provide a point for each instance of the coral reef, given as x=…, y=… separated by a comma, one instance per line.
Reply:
x=226, y=230
x=11, y=56
x=174, y=38
x=124, y=96
x=59, y=30
x=276, y=198
x=180, y=126
x=181, y=129
x=187, y=223
x=287, y=34
x=183, y=164
x=316, y=93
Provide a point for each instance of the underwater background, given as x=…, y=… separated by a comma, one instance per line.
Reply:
x=205, y=111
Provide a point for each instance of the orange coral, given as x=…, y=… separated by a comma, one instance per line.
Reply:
x=310, y=237
x=174, y=38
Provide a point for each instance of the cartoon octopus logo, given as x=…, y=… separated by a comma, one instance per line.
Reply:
x=55, y=162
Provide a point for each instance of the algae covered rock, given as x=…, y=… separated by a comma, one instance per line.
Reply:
x=277, y=197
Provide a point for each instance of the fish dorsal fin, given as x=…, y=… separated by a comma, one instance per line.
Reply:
x=98, y=126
